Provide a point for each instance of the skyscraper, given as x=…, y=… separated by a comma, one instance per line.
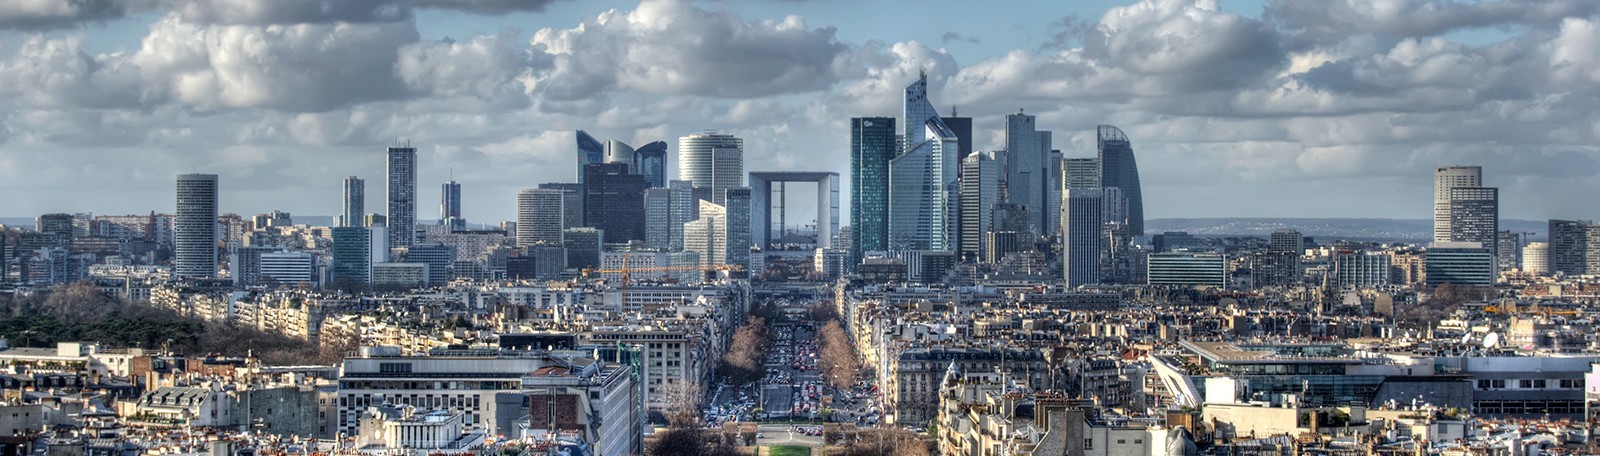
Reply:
x=1028, y=167
x=355, y=202
x=1287, y=241
x=922, y=179
x=621, y=152
x=922, y=193
x=1569, y=243
x=402, y=216
x=711, y=160
x=539, y=217
x=1080, y=236
x=1475, y=216
x=739, y=236
x=980, y=191
x=614, y=201
x=651, y=160
x=583, y=245
x=450, y=206
x=590, y=151
x=666, y=210
x=962, y=127
x=195, y=226
x=571, y=202
x=1119, y=169
x=1444, y=179
x=872, y=146
x=1081, y=172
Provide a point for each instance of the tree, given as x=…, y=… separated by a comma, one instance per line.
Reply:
x=837, y=361
x=685, y=437
x=742, y=361
x=887, y=442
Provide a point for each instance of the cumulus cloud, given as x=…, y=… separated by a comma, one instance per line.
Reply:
x=1332, y=20
x=51, y=14
x=673, y=47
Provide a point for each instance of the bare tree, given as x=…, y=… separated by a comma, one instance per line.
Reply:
x=837, y=360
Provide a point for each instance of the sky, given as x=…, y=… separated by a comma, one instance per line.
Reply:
x=1264, y=108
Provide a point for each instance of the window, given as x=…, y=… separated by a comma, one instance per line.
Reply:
x=1121, y=441
x=1088, y=444
x=394, y=368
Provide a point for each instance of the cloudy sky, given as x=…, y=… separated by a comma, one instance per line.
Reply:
x=1304, y=108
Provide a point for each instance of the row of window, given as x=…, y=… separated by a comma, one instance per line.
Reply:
x=1526, y=383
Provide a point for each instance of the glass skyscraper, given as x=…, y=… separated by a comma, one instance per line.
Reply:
x=352, y=256
x=1118, y=169
x=614, y=201
x=450, y=206
x=195, y=226
x=872, y=146
x=355, y=202
x=590, y=150
x=922, y=179
x=651, y=160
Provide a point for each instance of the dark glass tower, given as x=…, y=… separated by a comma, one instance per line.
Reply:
x=872, y=145
x=614, y=201
x=652, y=162
x=1118, y=169
x=402, y=195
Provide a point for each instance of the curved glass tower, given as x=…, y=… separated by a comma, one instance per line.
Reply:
x=1118, y=169
x=651, y=160
x=590, y=150
x=711, y=160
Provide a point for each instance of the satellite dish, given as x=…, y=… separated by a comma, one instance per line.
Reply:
x=1466, y=338
x=1491, y=341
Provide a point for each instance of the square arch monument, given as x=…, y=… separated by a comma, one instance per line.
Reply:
x=761, y=204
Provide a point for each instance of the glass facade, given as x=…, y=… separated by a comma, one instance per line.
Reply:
x=872, y=146
x=402, y=216
x=352, y=259
x=1119, y=169
x=590, y=150
x=652, y=162
x=614, y=201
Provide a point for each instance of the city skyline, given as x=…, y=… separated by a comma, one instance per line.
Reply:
x=1301, y=125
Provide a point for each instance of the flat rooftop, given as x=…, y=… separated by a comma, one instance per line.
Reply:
x=1232, y=353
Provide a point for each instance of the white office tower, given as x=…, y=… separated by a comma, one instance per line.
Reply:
x=923, y=190
x=620, y=152
x=1081, y=223
x=1536, y=258
x=711, y=160
x=981, y=174
x=195, y=226
x=1445, y=179
x=539, y=217
x=379, y=239
x=707, y=235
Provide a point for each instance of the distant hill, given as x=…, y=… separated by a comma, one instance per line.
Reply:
x=1409, y=230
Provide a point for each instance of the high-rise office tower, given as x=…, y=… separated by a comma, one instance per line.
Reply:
x=402, y=197
x=355, y=202
x=706, y=235
x=56, y=229
x=1509, y=255
x=1444, y=179
x=571, y=202
x=1119, y=169
x=872, y=146
x=666, y=210
x=1536, y=258
x=922, y=179
x=195, y=226
x=1081, y=224
x=621, y=152
x=739, y=235
x=651, y=160
x=1475, y=216
x=922, y=194
x=590, y=151
x=614, y=201
x=450, y=206
x=711, y=160
x=352, y=256
x=962, y=127
x=981, y=174
x=1569, y=244
x=1081, y=172
x=539, y=217
x=1028, y=167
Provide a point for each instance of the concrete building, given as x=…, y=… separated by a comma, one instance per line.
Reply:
x=355, y=202
x=764, y=202
x=539, y=217
x=405, y=275
x=1459, y=263
x=402, y=195
x=1192, y=269
x=571, y=202
x=1360, y=269
x=1535, y=258
x=981, y=177
x=195, y=226
x=450, y=206
x=1444, y=179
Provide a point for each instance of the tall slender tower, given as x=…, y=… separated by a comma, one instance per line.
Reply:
x=712, y=160
x=402, y=216
x=355, y=202
x=980, y=192
x=1119, y=169
x=872, y=146
x=1080, y=236
x=450, y=206
x=195, y=226
x=1444, y=179
x=922, y=178
x=1028, y=170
